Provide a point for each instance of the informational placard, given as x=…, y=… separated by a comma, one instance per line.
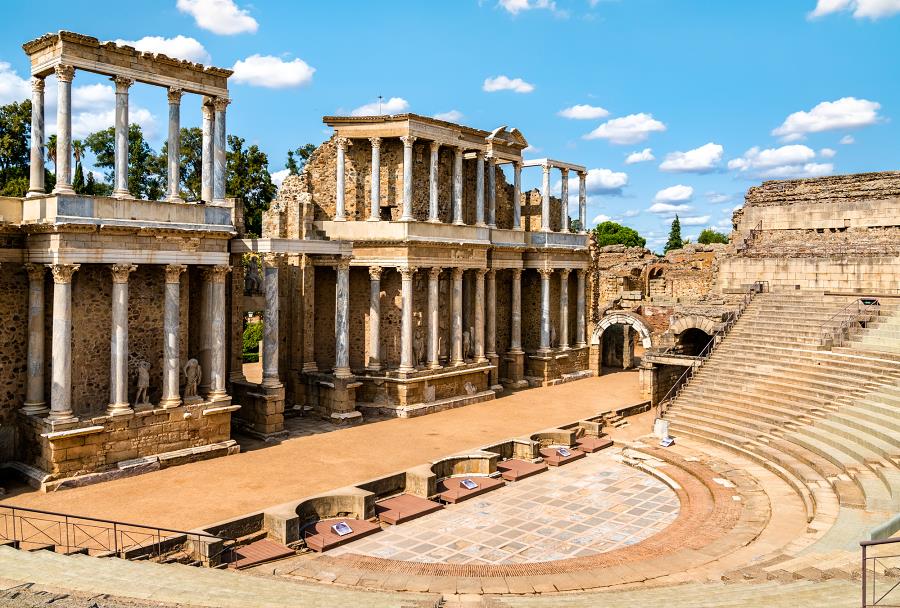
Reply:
x=341, y=528
x=564, y=452
x=468, y=484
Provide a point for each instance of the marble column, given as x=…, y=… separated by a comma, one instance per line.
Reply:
x=207, y=150
x=517, y=196
x=118, y=345
x=172, y=337
x=457, y=356
x=36, y=176
x=433, y=207
x=545, y=199
x=375, y=192
x=219, y=158
x=61, y=347
x=434, y=326
x=64, y=76
x=407, y=361
x=580, y=340
x=374, y=363
x=174, y=145
x=479, y=316
x=217, y=313
x=407, y=215
x=34, y=388
x=492, y=192
x=582, y=201
x=491, y=314
x=342, y=320
x=479, y=188
x=564, y=308
x=340, y=173
x=270, y=377
x=564, y=203
x=515, y=333
x=458, y=187
x=546, y=274
x=120, y=182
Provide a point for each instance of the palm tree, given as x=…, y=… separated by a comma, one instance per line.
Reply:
x=51, y=150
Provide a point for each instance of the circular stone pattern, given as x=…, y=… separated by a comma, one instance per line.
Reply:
x=590, y=506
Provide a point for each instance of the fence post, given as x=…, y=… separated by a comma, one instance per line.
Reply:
x=864, y=576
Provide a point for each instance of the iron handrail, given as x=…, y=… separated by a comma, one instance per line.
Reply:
x=875, y=602
x=863, y=311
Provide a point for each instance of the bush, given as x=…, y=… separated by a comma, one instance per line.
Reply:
x=611, y=233
x=253, y=333
x=709, y=236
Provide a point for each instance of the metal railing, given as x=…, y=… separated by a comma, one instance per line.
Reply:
x=32, y=529
x=704, y=354
x=855, y=315
x=881, y=589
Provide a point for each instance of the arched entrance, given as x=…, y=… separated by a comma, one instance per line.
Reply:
x=614, y=340
x=692, y=334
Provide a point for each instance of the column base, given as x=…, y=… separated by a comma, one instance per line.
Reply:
x=343, y=372
x=62, y=417
x=174, y=199
x=581, y=345
x=373, y=367
x=518, y=227
x=339, y=219
x=434, y=220
x=373, y=219
x=435, y=365
x=63, y=189
x=34, y=193
x=406, y=369
x=271, y=382
x=117, y=409
x=458, y=223
x=121, y=194
x=169, y=402
x=309, y=368
x=480, y=225
x=35, y=408
x=494, y=226
x=218, y=396
x=545, y=229
x=218, y=202
x=407, y=219
x=481, y=360
x=458, y=362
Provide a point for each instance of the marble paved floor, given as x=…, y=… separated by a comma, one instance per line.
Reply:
x=587, y=507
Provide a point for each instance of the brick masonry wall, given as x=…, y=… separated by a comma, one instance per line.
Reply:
x=13, y=340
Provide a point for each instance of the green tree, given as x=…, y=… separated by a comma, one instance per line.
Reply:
x=709, y=236
x=15, y=137
x=144, y=179
x=191, y=163
x=674, y=241
x=50, y=147
x=248, y=179
x=78, y=183
x=297, y=159
x=612, y=233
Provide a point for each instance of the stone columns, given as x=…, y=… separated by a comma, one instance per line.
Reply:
x=564, y=204
x=174, y=151
x=120, y=182
x=492, y=192
x=270, y=328
x=545, y=200
x=34, y=391
x=207, y=150
x=479, y=316
x=433, y=207
x=342, y=320
x=64, y=76
x=61, y=347
x=458, y=187
x=407, y=362
x=564, y=308
x=582, y=200
x=515, y=333
x=375, y=193
x=36, y=178
x=407, y=215
x=118, y=345
x=215, y=276
x=517, y=195
x=491, y=313
x=546, y=274
x=374, y=363
x=457, y=356
x=580, y=340
x=340, y=212
x=219, y=143
x=172, y=337
x=479, y=188
x=433, y=321
x=308, y=295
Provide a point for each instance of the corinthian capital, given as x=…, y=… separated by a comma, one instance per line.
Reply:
x=123, y=83
x=37, y=84
x=62, y=273
x=174, y=95
x=375, y=272
x=376, y=143
x=342, y=143
x=35, y=272
x=407, y=272
x=546, y=273
x=220, y=103
x=216, y=274
x=120, y=272
x=65, y=73
x=408, y=140
x=173, y=272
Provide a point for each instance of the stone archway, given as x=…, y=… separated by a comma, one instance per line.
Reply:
x=629, y=321
x=693, y=322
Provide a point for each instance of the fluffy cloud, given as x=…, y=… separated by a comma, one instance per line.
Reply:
x=846, y=140
x=704, y=159
x=600, y=219
x=179, y=47
x=584, y=112
x=278, y=177
x=12, y=87
x=827, y=152
x=272, y=72
x=451, y=116
x=805, y=170
x=394, y=105
x=674, y=194
x=504, y=83
x=85, y=123
x=632, y=213
x=717, y=197
x=862, y=9
x=696, y=220
x=787, y=161
x=630, y=129
x=219, y=16
x=844, y=113
x=668, y=208
x=598, y=181
x=639, y=157
x=515, y=7
x=93, y=109
x=93, y=97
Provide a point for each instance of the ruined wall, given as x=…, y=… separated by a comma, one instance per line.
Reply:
x=13, y=340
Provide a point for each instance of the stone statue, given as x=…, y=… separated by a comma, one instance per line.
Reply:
x=143, y=384
x=553, y=341
x=419, y=345
x=466, y=344
x=252, y=279
x=192, y=373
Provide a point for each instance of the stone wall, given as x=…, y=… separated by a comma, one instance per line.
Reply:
x=13, y=341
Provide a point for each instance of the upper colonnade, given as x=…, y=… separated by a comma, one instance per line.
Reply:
x=63, y=53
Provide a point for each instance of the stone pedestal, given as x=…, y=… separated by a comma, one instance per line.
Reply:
x=262, y=409
x=515, y=366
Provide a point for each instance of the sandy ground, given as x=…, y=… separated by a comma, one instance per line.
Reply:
x=192, y=495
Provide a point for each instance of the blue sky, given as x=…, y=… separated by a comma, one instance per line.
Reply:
x=721, y=94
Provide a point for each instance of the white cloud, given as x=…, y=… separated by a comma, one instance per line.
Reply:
x=531, y=150
x=787, y=161
x=668, y=208
x=600, y=219
x=717, y=197
x=451, y=116
x=704, y=159
x=515, y=7
x=805, y=170
x=846, y=140
x=598, y=181
x=278, y=177
x=697, y=220
x=827, y=152
x=639, y=157
x=12, y=87
x=630, y=129
x=394, y=105
x=584, y=112
x=674, y=194
x=504, y=83
x=862, y=9
x=272, y=72
x=93, y=97
x=179, y=47
x=632, y=213
x=219, y=16
x=85, y=123
x=844, y=113
x=93, y=109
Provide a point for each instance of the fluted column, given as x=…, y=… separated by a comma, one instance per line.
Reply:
x=407, y=363
x=270, y=377
x=64, y=76
x=517, y=196
x=546, y=274
x=564, y=308
x=118, y=346
x=492, y=192
x=174, y=145
x=342, y=320
x=515, y=333
x=407, y=215
x=219, y=158
x=172, y=337
x=582, y=201
x=34, y=388
x=457, y=355
x=457, y=187
x=479, y=188
x=218, y=361
x=479, y=316
x=564, y=203
x=340, y=211
x=434, y=327
x=433, y=207
x=121, y=161
x=375, y=193
x=545, y=200
x=36, y=176
x=491, y=313
x=207, y=151
x=374, y=363
x=61, y=347
x=580, y=339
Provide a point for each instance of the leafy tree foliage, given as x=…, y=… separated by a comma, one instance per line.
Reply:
x=612, y=233
x=674, y=241
x=247, y=178
x=297, y=159
x=15, y=137
x=144, y=179
x=709, y=236
x=191, y=175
